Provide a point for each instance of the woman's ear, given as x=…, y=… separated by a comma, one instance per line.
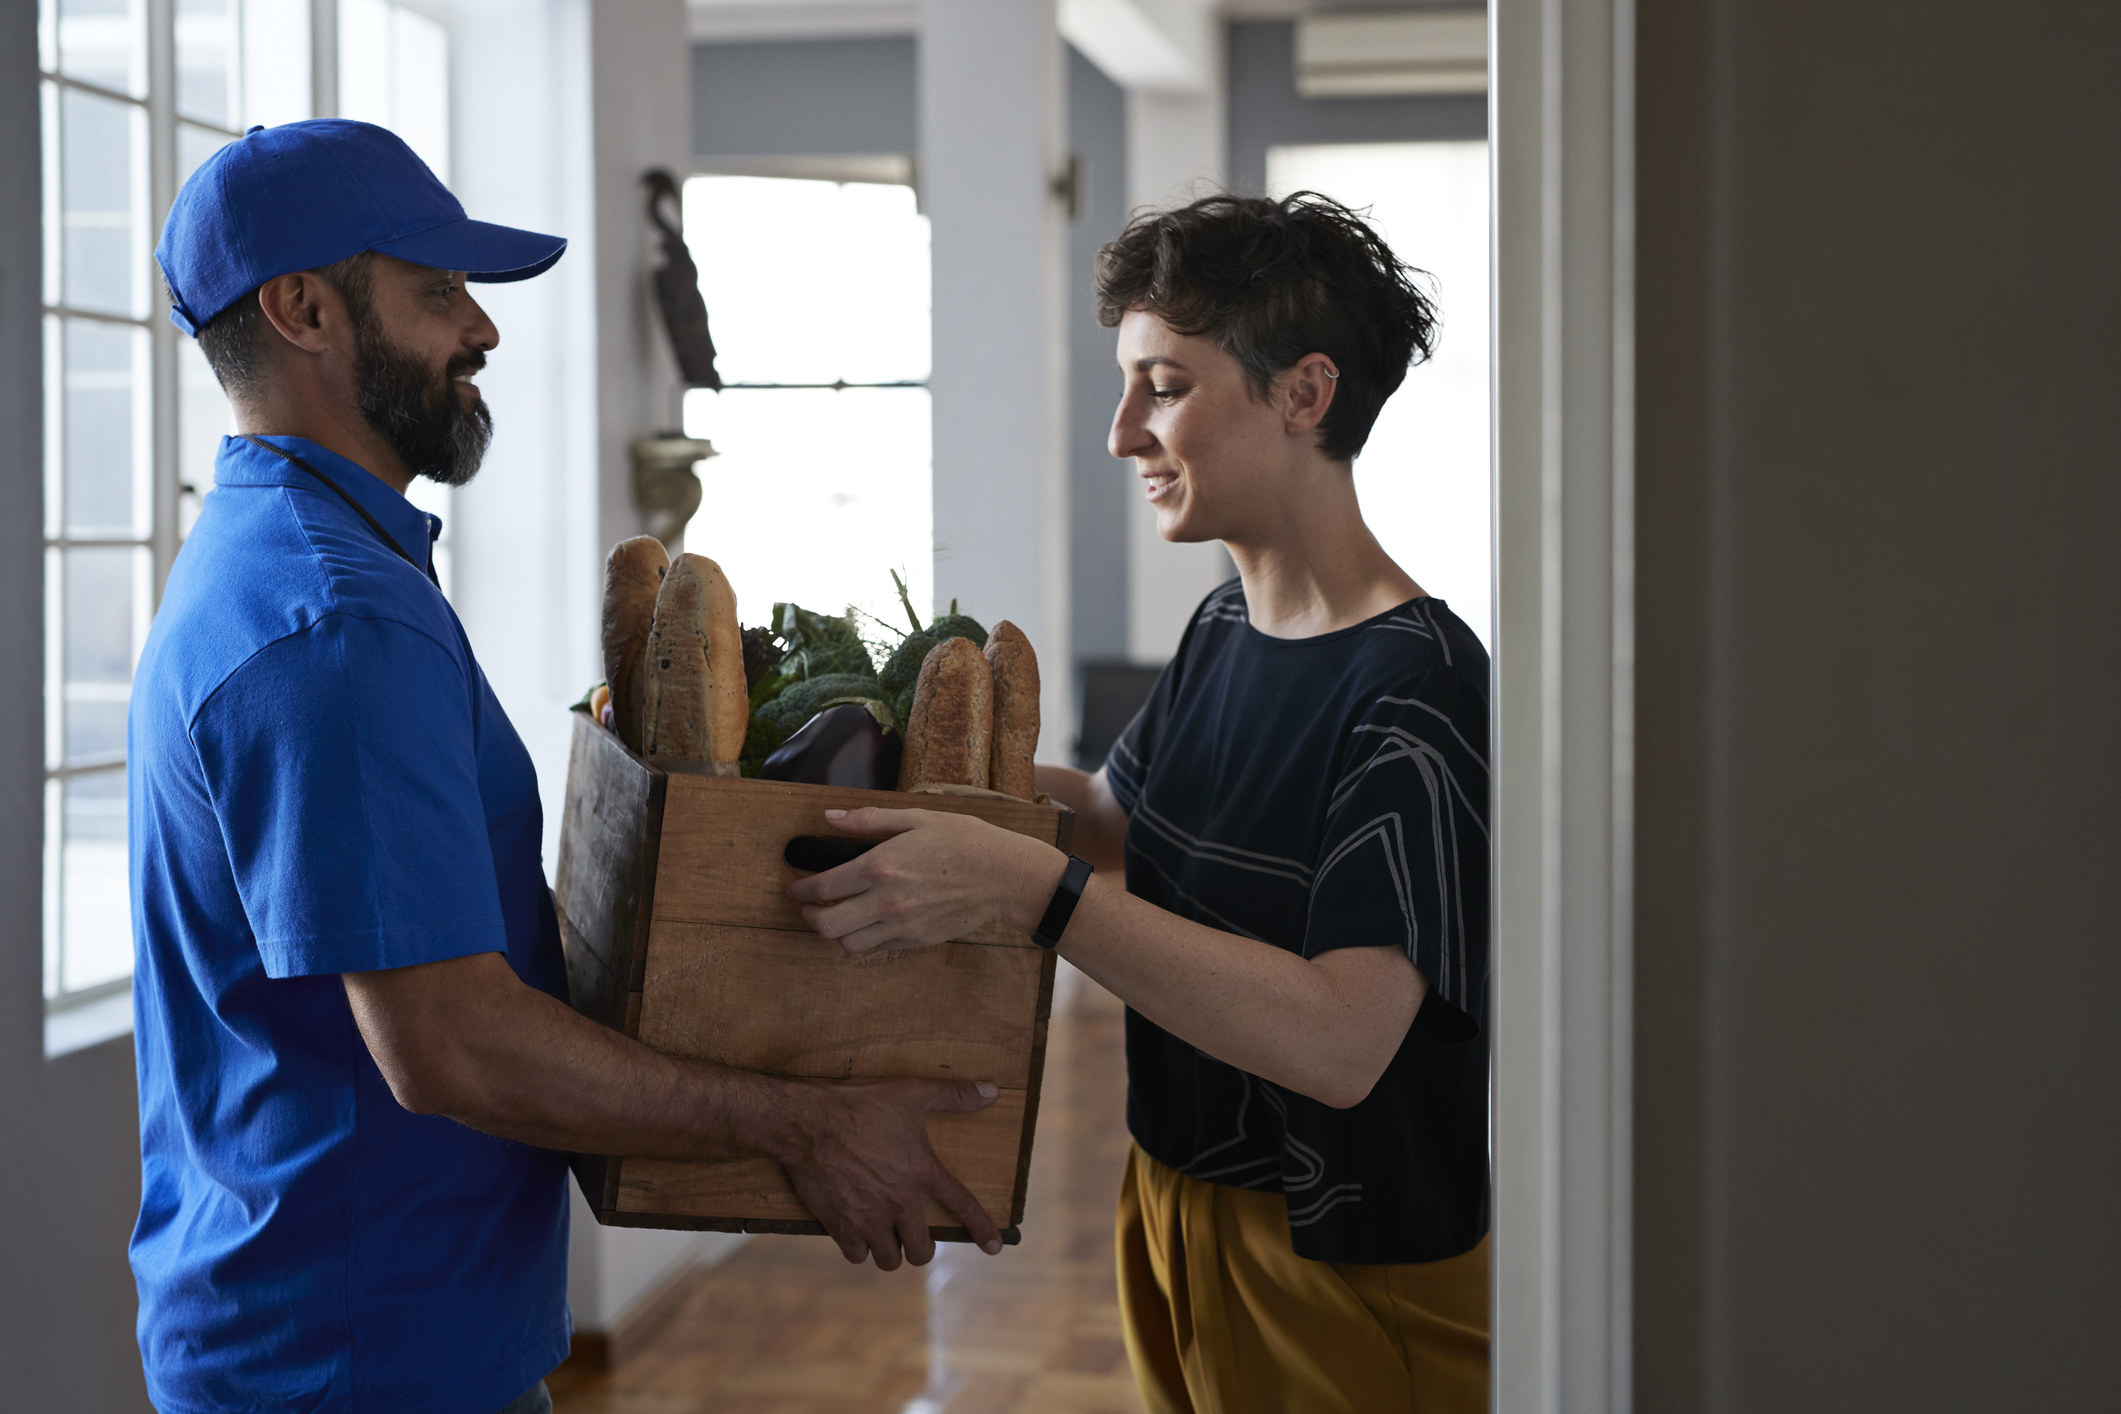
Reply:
x=1307, y=390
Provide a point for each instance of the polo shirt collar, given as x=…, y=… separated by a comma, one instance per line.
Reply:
x=240, y=463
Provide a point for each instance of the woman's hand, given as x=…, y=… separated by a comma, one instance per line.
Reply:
x=936, y=876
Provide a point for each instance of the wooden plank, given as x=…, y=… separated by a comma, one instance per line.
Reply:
x=1037, y=1072
x=722, y=841
x=981, y=1149
x=609, y=838
x=798, y=1004
x=592, y=987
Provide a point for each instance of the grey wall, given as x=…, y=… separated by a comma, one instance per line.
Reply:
x=1266, y=109
x=1098, y=486
x=806, y=97
x=70, y=1175
x=1878, y=1065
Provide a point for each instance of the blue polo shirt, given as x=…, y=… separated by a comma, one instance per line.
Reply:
x=322, y=782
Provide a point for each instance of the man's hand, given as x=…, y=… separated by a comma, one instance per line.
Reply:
x=869, y=1174
x=936, y=877
x=467, y=1039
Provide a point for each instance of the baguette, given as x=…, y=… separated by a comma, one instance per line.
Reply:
x=633, y=576
x=728, y=690
x=950, y=731
x=696, y=710
x=1015, y=669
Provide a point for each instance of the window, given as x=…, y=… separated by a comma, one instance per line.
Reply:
x=818, y=297
x=135, y=94
x=1423, y=477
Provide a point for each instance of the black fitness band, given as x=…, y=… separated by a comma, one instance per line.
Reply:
x=360, y=510
x=1065, y=898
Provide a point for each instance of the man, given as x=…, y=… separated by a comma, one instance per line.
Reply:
x=356, y=1072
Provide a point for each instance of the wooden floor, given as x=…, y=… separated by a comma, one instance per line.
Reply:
x=786, y=1326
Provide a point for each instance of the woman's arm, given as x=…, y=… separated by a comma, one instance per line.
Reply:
x=1325, y=1027
x=1100, y=823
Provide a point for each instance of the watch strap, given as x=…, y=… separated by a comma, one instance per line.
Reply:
x=1070, y=892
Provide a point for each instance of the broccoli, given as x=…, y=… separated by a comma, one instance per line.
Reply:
x=956, y=625
x=800, y=701
x=902, y=670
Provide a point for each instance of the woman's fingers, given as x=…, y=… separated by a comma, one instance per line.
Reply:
x=833, y=885
x=874, y=821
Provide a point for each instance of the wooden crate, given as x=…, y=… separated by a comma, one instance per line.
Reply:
x=677, y=931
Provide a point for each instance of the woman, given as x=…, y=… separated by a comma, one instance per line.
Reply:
x=1302, y=938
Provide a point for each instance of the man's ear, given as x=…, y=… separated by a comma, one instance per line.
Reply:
x=1307, y=390
x=304, y=310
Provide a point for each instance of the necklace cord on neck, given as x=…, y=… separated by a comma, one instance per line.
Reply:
x=360, y=510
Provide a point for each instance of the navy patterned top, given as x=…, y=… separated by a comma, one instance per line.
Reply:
x=1313, y=794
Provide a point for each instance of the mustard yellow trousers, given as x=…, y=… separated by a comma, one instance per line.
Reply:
x=1222, y=1316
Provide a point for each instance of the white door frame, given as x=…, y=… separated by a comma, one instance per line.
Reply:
x=1562, y=138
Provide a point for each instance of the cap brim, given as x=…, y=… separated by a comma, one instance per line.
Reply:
x=481, y=250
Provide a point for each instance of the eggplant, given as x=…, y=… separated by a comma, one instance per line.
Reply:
x=844, y=745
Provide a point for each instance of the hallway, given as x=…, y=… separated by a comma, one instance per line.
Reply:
x=786, y=1326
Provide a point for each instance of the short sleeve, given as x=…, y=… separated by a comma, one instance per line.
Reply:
x=1127, y=763
x=1404, y=854
x=343, y=768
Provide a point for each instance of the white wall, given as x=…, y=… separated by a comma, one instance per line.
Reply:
x=992, y=140
x=1177, y=149
x=559, y=108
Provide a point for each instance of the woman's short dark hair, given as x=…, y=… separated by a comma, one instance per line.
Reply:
x=1271, y=281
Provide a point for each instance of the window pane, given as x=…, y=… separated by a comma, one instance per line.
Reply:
x=816, y=497
x=107, y=453
x=54, y=426
x=102, y=616
x=810, y=282
x=207, y=66
x=96, y=936
x=203, y=419
x=104, y=170
x=104, y=42
x=54, y=227
x=276, y=53
x=194, y=146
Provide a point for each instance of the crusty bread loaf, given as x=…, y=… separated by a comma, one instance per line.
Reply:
x=633, y=576
x=1015, y=669
x=950, y=731
x=728, y=696
x=695, y=711
x=676, y=715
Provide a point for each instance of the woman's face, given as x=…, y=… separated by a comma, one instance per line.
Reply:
x=1212, y=458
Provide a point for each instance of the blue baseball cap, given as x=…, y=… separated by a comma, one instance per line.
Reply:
x=304, y=195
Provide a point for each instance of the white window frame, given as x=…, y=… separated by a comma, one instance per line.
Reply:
x=86, y=1016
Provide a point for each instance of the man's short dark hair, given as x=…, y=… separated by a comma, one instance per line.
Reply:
x=1271, y=281
x=230, y=339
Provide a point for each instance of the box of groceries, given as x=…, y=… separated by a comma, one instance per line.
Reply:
x=697, y=786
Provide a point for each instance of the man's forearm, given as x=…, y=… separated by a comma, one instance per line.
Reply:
x=514, y=1062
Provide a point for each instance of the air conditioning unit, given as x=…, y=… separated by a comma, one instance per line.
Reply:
x=1380, y=56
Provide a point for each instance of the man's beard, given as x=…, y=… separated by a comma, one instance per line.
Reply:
x=419, y=415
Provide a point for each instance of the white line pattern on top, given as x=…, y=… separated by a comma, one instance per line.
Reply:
x=1193, y=846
